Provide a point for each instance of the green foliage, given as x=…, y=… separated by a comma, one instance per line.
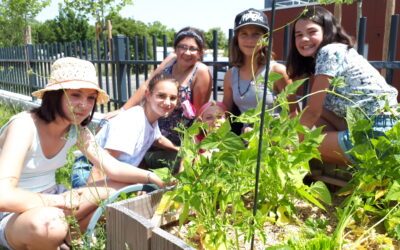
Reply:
x=68, y=26
x=217, y=189
x=98, y=9
x=222, y=40
x=6, y=111
x=43, y=32
x=14, y=18
x=63, y=174
x=132, y=28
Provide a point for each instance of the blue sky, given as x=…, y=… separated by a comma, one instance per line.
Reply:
x=203, y=14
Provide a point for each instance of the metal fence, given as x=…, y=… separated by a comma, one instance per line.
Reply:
x=123, y=63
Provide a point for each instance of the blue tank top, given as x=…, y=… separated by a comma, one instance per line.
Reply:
x=247, y=93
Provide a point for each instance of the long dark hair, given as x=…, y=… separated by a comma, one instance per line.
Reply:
x=300, y=66
x=51, y=107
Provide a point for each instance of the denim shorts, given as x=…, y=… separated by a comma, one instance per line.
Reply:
x=382, y=123
x=80, y=172
x=6, y=216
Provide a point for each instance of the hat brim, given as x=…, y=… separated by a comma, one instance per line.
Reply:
x=264, y=27
x=102, y=97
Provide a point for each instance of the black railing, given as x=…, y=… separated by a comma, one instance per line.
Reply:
x=120, y=70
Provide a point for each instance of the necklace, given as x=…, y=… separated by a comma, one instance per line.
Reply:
x=238, y=86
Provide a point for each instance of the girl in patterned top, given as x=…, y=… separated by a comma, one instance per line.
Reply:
x=322, y=51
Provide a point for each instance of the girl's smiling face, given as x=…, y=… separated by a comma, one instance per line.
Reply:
x=188, y=52
x=308, y=37
x=77, y=104
x=163, y=98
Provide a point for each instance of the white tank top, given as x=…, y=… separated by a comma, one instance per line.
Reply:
x=38, y=172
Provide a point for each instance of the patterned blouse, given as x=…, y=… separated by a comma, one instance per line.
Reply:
x=363, y=84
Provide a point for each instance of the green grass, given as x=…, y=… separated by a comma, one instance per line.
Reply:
x=6, y=111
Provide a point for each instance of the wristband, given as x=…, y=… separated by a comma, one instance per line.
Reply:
x=122, y=109
x=148, y=177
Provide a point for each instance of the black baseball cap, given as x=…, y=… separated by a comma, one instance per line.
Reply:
x=251, y=17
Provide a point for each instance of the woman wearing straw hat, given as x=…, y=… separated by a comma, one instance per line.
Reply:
x=33, y=209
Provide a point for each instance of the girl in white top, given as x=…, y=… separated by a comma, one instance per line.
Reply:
x=130, y=134
x=34, y=144
x=249, y=59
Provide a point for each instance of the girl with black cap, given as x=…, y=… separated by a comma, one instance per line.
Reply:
x=248, y=56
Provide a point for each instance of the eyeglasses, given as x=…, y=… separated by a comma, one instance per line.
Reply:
x=185, y=48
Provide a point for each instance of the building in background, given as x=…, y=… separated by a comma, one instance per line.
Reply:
x=287, y=3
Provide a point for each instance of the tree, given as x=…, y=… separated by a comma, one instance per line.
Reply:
x=98, y=9
x=222, y=40
x=43, y=32
x=159, y=30
x=15, y=15
x=68, y=26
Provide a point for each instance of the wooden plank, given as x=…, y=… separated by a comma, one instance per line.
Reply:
x=129, y=225
x=145, y=205
x=331, y=180
x=126, y=229
x=330, y=173
x=162, y=240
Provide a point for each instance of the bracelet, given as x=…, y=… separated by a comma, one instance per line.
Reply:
x=148, y=177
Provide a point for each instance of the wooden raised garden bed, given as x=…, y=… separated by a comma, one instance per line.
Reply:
x=129, y=226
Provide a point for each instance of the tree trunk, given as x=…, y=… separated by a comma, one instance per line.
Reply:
x=359, y=15
x=109, y=38
x=338, y=12
x=390, y=7
x=28, y=35
x=99, y=30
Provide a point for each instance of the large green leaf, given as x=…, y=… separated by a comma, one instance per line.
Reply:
x=394, y=192
x=303, y=193
x=321, y=191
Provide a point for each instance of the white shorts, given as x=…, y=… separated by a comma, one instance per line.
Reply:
x=4, y=218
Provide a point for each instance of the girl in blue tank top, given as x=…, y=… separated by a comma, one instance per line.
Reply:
x=240, y=85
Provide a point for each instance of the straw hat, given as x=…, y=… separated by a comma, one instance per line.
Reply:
x=73, y=73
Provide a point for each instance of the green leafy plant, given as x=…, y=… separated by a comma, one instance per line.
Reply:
x=6, y=111
x=217, y=191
